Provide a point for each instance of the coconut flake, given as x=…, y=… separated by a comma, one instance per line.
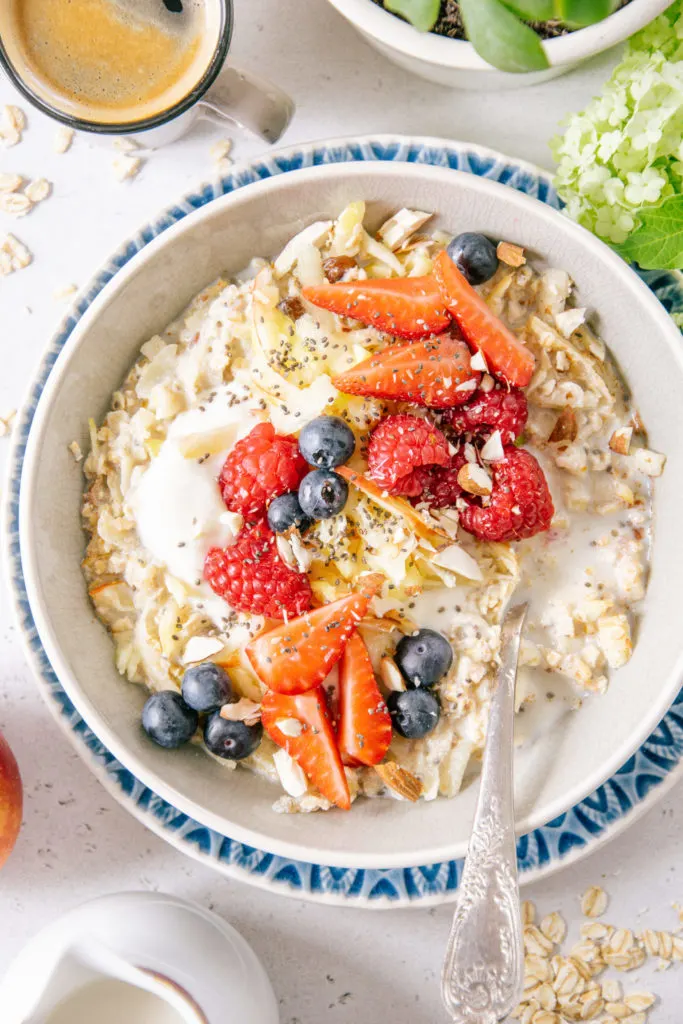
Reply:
x=291, y=775
x=570, y=320
x=314, y=234
x=456, y=559
x=200, y=648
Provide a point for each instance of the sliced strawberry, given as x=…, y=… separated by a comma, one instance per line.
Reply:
x=504, y=353
x=364, y=720
x=408, y=307
x=314, y=748
x=297, y=656
x=425, y=373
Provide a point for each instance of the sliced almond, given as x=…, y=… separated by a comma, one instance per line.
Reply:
x=493, y=448
x=390, y=674
x=284, y=550
x=475, y=480
x=400, y=780
x=243, y=710
x=566, y=428
x=512, y=255
x=478, y=362
x=620, y=441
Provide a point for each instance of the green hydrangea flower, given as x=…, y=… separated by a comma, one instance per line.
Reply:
x=624, y=153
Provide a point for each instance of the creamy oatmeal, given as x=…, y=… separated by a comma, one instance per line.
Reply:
x=514, y=463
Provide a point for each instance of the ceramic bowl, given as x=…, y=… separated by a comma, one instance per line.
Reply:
x=455, y=62
x=562, y=767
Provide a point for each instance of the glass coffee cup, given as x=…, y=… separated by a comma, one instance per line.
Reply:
x=135, y=67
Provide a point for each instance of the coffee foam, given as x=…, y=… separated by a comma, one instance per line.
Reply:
x=110, y=61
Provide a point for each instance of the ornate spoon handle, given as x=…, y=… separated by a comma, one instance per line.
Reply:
x=483, y=973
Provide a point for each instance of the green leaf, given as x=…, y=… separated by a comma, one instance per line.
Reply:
x=657, y=242
x=583, y=12
x=500, y=38
x=533, y=10
x=422, y=14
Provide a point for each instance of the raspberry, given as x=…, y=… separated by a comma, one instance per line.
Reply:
x=496, y=410
x=401, y=452
x=250, y=576
x=520, y=504
x=442, y=488
x=259, y=468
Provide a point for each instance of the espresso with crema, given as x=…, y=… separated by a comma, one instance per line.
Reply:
x=112, y=61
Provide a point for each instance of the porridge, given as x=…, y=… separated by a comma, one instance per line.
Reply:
x=315, y=493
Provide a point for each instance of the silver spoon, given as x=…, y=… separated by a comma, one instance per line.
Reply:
x=483, y=973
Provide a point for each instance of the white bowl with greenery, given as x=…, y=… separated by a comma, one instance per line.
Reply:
x=520, y=57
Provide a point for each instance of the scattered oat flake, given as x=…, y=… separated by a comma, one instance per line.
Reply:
x=126, y=145
x=15, y=203
x=75, y=450
x=12, y=125
x=63, y=138
x=126, y=167
x=10, y=182
x=13, y=255
x=38, y=190
x=64, y=292
x=220, y=151
x=6, y=423
x=594, y=902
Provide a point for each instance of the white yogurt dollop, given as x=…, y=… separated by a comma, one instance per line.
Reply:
x=178, y=509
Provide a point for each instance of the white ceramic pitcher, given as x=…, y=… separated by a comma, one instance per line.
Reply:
x=175, y=961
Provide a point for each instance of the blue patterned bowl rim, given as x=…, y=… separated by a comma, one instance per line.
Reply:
x=645, y=777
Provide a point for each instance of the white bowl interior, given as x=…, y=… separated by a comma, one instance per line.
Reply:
x=582, y=749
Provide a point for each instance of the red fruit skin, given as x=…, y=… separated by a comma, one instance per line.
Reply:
x=501, y=409
x=400, y=450
x=442, y=489
x=407, y=307
x=507, y=357
x=251, y=576
x=11, y=801
x=260, y=467
x=364, y=721
x=315, y=749
x=298, y=656
x=425, y=373
x=521, y=505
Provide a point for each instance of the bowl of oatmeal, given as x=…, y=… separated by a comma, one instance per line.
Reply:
x=330, y=425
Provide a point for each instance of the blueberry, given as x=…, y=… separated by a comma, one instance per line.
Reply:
x=424, y=657
x=414, y=713
x=168, y=720
x=231, y=740
x=206, y=687
x=327, y=442
x=474, y=255
x=322, y=494
x=285, y=512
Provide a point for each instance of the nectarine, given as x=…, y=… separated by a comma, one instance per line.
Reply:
x=11, y=800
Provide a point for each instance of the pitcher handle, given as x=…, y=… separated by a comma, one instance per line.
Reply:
x=250, y=102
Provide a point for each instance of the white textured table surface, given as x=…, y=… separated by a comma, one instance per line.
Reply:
x=340, y=965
